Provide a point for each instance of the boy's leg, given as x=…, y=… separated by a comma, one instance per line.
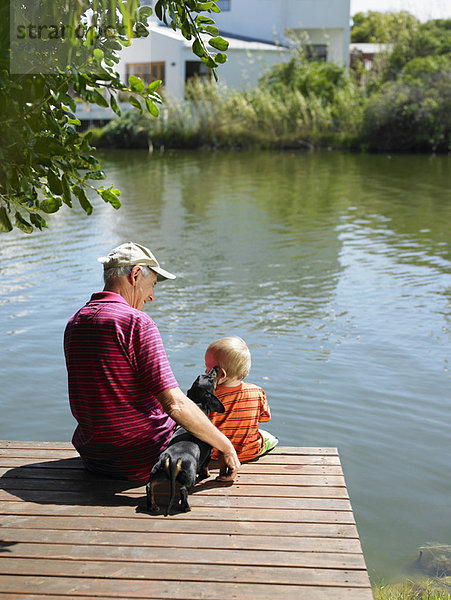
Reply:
x=269, y=441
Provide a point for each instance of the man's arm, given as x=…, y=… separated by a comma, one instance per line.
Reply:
x=187, y=414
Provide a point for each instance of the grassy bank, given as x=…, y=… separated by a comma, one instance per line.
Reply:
x=215, y=117
x=428, y=589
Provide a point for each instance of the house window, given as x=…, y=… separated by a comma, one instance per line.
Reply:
x=316, y=52
x=148, y=72
x=196, y=68
x=224, y=5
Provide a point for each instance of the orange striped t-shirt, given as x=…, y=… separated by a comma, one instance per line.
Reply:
x=245, y=407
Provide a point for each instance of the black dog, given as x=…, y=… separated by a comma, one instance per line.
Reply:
x=186, y=456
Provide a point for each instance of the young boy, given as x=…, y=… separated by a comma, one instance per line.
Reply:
x=245, y=403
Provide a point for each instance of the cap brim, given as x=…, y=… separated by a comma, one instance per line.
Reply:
x=162, y=274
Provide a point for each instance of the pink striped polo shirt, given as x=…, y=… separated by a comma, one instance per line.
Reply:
x=116, y=367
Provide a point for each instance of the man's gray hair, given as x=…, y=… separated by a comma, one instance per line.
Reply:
x=109, y=275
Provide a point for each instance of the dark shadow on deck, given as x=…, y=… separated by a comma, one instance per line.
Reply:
x=66, y=481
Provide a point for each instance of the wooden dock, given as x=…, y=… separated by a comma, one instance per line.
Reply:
x=284, y=530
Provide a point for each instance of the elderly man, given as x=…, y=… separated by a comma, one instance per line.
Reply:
x=122, y=391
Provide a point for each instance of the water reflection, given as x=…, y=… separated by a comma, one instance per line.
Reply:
x=333, y=267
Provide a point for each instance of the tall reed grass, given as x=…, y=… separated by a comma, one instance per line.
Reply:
x=215, y=117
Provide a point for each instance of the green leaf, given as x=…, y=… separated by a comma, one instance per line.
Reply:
x=5, y=223
x=98, y=55
x=152, y=108
x=134, y=102
x=55, y=185
x=67, y=198
x=97, y=98
x=22, y=224
x=198, y=49
x=48, y=146
x=219, y=43
x=212, y=30
x=209, y=61
x=111, y=196
x=220, y=57
x=141, y=30
x=144, y=12
x=136, y=84
x=159, y=10
x=50, y=205
x=38, y=221
x=83, y=199
x=71, y=121
x=202, y=19
x=154, y=86
x=115, y=106
x=97, y=175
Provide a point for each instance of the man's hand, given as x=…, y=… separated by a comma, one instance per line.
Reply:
x=228, y=466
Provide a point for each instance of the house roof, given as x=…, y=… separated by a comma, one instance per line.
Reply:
x=235, y=42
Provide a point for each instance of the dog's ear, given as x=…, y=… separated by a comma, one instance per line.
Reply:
x=215, y=405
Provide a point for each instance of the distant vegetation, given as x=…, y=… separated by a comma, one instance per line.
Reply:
x=401, y=105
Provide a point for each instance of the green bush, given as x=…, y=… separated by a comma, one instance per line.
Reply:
x=411, y=114
x=128, y=131
x=311, y=78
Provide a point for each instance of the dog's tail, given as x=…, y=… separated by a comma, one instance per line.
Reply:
x=172, y=473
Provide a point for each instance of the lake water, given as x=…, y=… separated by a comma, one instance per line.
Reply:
x=335, y=268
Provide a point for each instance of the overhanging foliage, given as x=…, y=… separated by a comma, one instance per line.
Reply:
x=53, y=55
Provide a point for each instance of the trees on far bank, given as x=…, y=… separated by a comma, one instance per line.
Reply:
x=408, y=97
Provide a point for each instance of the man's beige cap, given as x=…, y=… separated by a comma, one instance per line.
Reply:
x=134, y=254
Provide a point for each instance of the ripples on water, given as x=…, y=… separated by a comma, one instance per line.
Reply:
x=334, y=268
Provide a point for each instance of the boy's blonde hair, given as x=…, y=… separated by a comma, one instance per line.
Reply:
x=233, y=355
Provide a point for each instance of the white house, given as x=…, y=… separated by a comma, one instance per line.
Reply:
x=165, y=54
x=259, y=32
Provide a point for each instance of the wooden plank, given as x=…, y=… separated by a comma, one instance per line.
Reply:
x=261, y=466
x=308, y=450
x=36, y=444
x=132, y=588
x=176, y=525
x=283, y=454
x=24, y=476
x=31, y=453
x=267, y=474
x=201, y=513
x=181, y=540
x=320, y=486
x=97, y=498
x=269, y=558
x=184, y=572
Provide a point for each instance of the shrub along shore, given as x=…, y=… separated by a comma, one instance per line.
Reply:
x=401, y=105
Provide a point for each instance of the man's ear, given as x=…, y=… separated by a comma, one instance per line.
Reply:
x=134, y=273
